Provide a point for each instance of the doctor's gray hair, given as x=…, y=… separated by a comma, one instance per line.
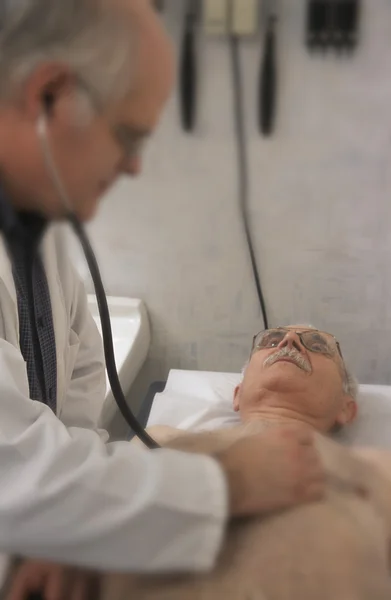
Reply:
x=91, y=37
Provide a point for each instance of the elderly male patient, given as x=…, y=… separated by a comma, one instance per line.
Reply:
x=337, y=548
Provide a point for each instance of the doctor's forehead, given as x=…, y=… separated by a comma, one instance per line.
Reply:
x=136, y=8
x=153, y=67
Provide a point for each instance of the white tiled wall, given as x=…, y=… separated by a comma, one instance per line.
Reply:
x=320, y=208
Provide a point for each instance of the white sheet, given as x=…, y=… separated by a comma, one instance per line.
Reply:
x=199, y=400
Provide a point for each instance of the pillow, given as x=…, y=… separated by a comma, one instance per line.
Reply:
x=200, y=400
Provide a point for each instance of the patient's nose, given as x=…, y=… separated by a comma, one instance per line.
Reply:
x=291, y=340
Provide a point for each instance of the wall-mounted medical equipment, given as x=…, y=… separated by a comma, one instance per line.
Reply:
x=268, y=74
x=243, y=19
x=242, y=160
x=232, y=20
x=188, y=67
x=236, y=17
x=333, y=24
x=216, y=17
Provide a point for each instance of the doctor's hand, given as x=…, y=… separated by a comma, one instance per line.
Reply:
x=273, y=470
x=50, y=581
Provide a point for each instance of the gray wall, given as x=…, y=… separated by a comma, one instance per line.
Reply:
x=320, y=209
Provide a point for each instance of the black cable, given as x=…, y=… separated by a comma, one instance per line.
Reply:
x=240, y=132
x=188, y=70
x=268, y=82
x=108, y=337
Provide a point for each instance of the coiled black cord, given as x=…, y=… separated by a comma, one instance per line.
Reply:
x=240, y=133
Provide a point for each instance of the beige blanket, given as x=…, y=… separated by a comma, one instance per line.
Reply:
x=336, y=549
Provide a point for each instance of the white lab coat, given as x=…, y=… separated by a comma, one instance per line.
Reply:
x=66, y=494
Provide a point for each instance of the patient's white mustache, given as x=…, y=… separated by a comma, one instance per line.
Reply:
x=291, y=353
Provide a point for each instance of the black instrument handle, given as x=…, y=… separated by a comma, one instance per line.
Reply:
x=268, y=83
x=188, y=78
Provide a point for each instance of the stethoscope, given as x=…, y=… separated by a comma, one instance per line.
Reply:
x=104, y=314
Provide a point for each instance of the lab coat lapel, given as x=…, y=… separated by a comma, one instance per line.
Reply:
x=9, y=303
x=59, y=313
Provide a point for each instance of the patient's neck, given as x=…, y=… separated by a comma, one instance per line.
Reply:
x=279, y=414
x=282, y=417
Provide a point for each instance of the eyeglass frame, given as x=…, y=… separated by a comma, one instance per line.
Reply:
x=299, y=334
x=129, y=139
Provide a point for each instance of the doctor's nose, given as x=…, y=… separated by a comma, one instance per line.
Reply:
x=291, y=340
x=132, y=166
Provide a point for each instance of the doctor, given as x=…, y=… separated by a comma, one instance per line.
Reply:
x=99, y=73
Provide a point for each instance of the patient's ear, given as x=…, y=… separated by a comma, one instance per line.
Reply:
x=348, y=412
x=236, y=403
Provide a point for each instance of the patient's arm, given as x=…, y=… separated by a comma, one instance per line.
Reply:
x=162, y=434
x=206, y=442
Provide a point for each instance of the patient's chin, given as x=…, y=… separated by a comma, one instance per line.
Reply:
x=287, y=379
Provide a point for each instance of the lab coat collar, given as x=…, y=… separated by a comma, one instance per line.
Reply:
x=16, y=228
x=20, y=227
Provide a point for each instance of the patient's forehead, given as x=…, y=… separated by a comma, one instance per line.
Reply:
x=299, y=327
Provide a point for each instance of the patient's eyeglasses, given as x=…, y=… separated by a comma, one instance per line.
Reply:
x=312, y=339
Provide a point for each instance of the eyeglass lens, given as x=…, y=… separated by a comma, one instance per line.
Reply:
x=314, y=341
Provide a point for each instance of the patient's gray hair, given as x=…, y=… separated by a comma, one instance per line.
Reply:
x=89, y=36
x=349, y=381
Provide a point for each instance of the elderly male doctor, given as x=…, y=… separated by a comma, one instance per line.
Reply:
x=96, y=73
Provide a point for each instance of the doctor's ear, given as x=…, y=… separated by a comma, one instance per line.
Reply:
x=80, y=110
x=48, y=101
x=47, y=85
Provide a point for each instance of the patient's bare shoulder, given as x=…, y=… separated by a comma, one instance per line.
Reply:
x=380, y=459
x=379, y=479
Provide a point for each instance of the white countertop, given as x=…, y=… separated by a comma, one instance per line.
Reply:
x=131, y=336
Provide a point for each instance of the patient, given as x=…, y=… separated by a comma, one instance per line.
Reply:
x=336, y=548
